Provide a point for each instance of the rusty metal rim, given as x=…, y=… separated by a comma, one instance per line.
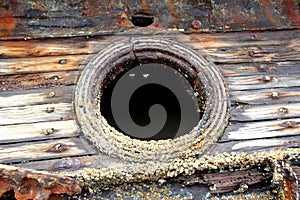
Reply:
x=206, y=79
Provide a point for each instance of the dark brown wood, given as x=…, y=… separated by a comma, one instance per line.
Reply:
x=37, y=80
x=22, y=19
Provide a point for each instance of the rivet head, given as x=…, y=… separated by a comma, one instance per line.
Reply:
x=196, y=24
x=251, y=53
x=62, y=61
x=50, y=109
x=267, y=79
x=51, y=94
x=275, y=95
x=283, y=110
x=58, y=148
x=49, y=131
x=290, y=124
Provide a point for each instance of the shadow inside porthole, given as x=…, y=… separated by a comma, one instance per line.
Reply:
x=151, y=101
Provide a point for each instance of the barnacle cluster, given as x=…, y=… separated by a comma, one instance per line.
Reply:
x=98, y=180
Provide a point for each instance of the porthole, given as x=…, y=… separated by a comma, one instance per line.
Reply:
x=147, y=61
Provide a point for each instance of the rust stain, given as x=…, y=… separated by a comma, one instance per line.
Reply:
x=144, y=4
x=171, y=7
x=292, y=13
x=30, y=184
x=7, y=24
x=290, y=124
x=266, y=4
x=58, y=148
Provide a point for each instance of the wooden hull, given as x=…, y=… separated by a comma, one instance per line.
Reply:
x=44, y=47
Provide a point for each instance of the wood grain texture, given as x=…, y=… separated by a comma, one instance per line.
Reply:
x=37, y=80
x=42, y=150
x=264, y=112
x=256, y=145
x=36, y=97
x=38, y=131
x=36, y=113
x=262, y=129
x=266, y=96
x=23, y=19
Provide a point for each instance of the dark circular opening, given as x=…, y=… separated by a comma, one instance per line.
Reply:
x=142, y=19
x=153, y=84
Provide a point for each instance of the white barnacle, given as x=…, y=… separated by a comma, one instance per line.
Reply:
x=145, y=75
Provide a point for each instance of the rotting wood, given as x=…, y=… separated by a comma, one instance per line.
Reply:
x=42, y=150
x=37, y=80
x=31, y=184
x=44, y=19
x=262, y=129
x=227, y=181
x=36, y=113
x=38, y=131
x=208, y=171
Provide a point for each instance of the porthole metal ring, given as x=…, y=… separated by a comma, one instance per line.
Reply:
x=204, y=76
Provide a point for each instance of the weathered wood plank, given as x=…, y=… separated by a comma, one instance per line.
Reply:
x=262, y=82
x=51, y=19
x=74, y=163
x=263, y=129
x=65, y=165
x=253, y=54
x=36, y=113
x=256, y=145
x=226, y=40
x=221, y=48
x=38, y=131
x=260, y=69
x=222, y=42
x=37, y=80
x=41, y=64
x=37, y=96
x=50, y=149
x=265, y=112
x=51, y=47
x=266, y=96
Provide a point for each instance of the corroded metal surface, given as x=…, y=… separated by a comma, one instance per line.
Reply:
x=26, y=19
x=30, y=184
